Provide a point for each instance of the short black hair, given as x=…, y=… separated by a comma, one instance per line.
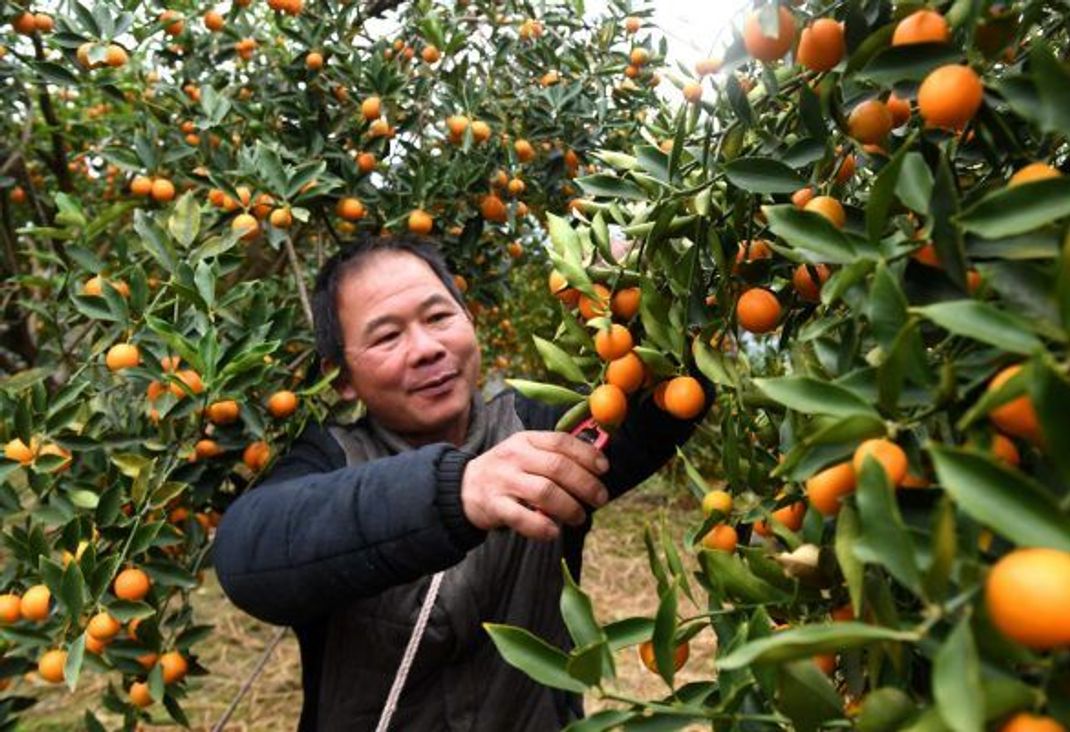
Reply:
x=330, y=342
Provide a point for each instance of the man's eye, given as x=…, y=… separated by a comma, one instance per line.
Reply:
x=385, y=338
x=436, y=317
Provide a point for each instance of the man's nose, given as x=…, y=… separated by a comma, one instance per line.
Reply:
x=424, y=347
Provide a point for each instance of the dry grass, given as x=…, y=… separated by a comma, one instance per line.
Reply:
x=615, y=574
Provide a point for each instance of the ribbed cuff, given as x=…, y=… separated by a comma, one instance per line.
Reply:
x=448, y=472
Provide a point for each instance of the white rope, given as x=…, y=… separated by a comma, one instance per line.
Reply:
x=410, y=654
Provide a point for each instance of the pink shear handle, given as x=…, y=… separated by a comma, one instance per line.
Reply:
x=589, y=431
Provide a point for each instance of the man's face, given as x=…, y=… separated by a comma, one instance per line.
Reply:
x=410, y=350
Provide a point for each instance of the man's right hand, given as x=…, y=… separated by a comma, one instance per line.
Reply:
x=532, y=481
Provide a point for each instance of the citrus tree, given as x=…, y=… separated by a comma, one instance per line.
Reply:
x=855, y=228
x=172, y=177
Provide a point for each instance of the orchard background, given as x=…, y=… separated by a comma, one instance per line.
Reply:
x=854, y=227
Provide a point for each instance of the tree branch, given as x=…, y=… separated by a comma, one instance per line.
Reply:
x=59, y=150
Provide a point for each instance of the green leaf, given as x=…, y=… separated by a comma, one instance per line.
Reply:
x=807, y=641
x=984, y=322
x=558, y=361
x=946, y=237
x=810, y=233
x=883, y=191
x=944, y=547
x=806, y=696
x=155, y=241
x=1052, y=81
x=72, y=589
x=578, y=613
x=848, y=530
x=884, y=710
x=1019, y=209
x=808, y=395
x=185, y=220
x=714, y=365
x=762, y=175
x=1052, y=404
x=1006, y=500
x=908, y=63
x=586, y=663
x=727, y=572
x=535, y=657
x=75, y=655
x=547, y=393
x=664, y=638
x=957, y=681
x=884, y=539
x=602, y=184
x=914, y=187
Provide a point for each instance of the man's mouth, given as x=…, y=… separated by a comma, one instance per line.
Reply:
x=435, y=383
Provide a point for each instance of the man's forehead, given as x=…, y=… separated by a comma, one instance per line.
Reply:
x=387, y=279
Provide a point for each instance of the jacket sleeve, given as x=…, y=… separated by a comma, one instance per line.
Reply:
x=314, y=535
x=645, y=441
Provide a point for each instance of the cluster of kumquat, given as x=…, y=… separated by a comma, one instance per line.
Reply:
x=856, y=229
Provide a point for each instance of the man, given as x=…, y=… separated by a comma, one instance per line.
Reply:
x=341, y=539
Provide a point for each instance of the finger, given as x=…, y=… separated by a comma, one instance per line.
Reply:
x=567, y=473
x=545, y=495
x=525, y=521
x=582, y=452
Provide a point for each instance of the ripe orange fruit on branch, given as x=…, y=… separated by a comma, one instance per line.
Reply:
x=420, y=222
x=627, y=372
x=191, y=379
x=717, y=500
x=821, y=45
x=282, y=404
x=103, y=627
x=122, y=356
x=20, y=452
x=625, y=303
x=1004, y=449
x=430, y=54
x=141, y=185
x=758, y=310
x=213, y=21
x=10, y=608
x=115, y=56
x=721, y=537
x=525, y=153
x=684, y=397
x=827, y=488
x=887, y=453
x=371, y=108
x=765, y=48
x=246, y=226
x=173, y=24
x=1027, y=594
x=828, y=207
x=593, y=308
x=1032, y=172
x=791, y=516
x=613, y=342
x=679, y=658
x=50, y=665
x=174, y=667
x=609, y=405
x=1017, y=417
x=803, y=281
x=256, y=456
x=707, y=66
x=900, y=109
x=1026, y=722
x=281, y=218
x=140, y=696
x=225, y=411
x=131, y=584
x=314, y=61
x=493, y=209
x=950, y=96
x=24, y=24
x=869, y=122
x=692, y=92
x=36, y=603
x=922, y=26
x=163, y=190
x=350, y=209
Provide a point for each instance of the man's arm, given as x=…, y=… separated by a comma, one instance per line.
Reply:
x=314, y=535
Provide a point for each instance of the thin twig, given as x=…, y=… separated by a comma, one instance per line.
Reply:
x=299, y=276
x=249, y=681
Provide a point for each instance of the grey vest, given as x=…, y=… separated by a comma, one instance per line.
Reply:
x=458, y=681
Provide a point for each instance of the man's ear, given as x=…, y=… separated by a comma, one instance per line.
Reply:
x=341, y=382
